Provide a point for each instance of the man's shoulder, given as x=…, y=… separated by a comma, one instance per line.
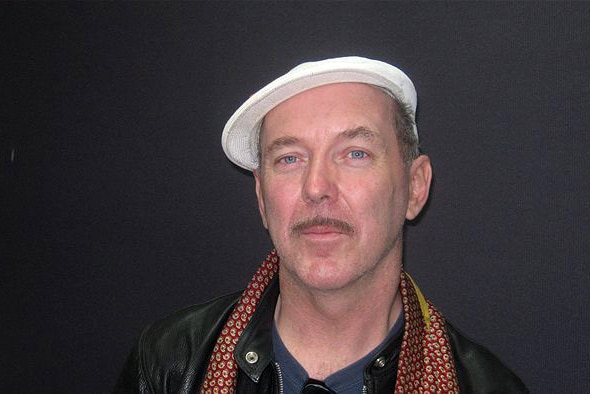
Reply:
x=480, y=371
x=193, y=323
x=193, y=317
x=174, y=352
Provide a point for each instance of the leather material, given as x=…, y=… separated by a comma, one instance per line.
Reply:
x=172, y=355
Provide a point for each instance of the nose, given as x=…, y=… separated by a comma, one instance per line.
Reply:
x=320, y=183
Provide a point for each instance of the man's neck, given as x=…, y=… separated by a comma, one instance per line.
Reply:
x=329, y=330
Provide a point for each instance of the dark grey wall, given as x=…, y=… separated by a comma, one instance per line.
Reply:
x=119, y=207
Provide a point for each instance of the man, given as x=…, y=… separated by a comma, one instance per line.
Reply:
x=334, y=151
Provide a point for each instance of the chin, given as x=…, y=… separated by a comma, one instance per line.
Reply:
x=327, y=278
x=321, y=268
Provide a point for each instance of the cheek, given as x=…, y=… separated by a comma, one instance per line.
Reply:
x=279, y=206
x=366, y=197
x=376, y=204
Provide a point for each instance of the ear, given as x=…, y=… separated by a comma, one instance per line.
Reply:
x=259, y=196
x=420, y=179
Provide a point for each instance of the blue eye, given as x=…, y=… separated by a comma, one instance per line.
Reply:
x=289, y=159
x=357, y=154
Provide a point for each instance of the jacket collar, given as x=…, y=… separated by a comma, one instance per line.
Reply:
x=254, y=351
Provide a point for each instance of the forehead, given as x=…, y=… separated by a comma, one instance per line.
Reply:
x=339, y=105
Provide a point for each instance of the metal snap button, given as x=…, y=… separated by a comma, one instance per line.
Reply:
x=251, y=357
x=380, y=362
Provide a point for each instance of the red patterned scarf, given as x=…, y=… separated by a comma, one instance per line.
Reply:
x=425, y=361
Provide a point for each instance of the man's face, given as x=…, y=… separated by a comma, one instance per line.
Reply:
x=332, y=187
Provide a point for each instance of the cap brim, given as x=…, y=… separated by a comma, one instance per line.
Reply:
x=240, y=135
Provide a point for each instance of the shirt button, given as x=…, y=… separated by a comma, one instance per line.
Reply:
x=380, y=362
x=252, y=357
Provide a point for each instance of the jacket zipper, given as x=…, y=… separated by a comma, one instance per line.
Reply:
x=279, y=377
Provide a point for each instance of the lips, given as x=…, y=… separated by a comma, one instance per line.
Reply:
x=321, y=230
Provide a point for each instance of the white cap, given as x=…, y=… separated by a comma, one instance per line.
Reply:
x=240, y=135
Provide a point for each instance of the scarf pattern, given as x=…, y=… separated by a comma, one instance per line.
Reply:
x=425, y=361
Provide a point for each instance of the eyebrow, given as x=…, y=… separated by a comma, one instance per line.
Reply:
x=360, y=132
x=281, y=142
x=371, y=137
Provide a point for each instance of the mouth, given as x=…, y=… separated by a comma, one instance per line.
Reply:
x=321, y=230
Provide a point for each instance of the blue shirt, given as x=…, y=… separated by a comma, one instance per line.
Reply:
x=348, y=380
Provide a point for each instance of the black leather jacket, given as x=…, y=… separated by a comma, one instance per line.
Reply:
x=172, y=355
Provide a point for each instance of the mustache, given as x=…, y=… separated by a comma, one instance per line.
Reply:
x=303, y=225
